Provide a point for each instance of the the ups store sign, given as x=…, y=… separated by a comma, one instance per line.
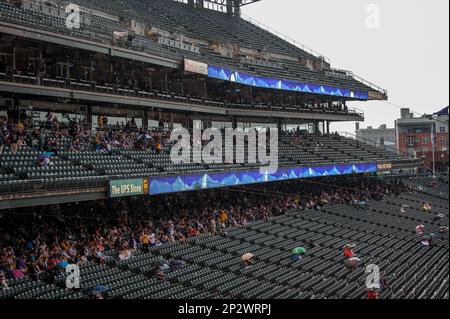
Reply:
x=128, y=187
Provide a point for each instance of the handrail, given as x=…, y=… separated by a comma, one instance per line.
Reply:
x=285, y=37
x=362, y=80
x=14, y=187
x=357, y=111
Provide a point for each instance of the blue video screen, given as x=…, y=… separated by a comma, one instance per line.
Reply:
x=288, y=85
x=192, y=182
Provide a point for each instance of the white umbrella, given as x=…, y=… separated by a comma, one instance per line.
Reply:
x=164, y=267
x=374, y=286
x=425, y=242
x=247, y=257
x=354, y=261
x=144, y=137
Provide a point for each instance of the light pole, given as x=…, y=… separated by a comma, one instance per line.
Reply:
x=432, y=149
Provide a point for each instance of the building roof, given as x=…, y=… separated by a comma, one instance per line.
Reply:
x=442, y=112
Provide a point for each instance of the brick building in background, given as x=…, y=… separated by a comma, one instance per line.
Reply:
x=415, y=137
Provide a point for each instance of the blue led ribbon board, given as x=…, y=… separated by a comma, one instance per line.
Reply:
x=192, y=182
x=277, y=84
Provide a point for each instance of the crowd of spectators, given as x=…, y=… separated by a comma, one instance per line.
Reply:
x=106, y=137
x=79, y=137
x=35, y=240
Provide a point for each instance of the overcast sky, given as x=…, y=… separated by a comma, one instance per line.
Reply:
x=408, y=54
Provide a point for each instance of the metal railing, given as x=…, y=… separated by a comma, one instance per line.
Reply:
x=357, y=111
x=42, y=186
x=312, y=52
x=285, y=38
x=362, y=80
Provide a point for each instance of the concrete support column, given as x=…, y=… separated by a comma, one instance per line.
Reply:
x=230, y=8
x=88, y=115
x=207, y=124
x=171, y=121
x=160, y=117
x=14, y=57
x=237, y=9
x=205, y=89
x=187, y=121
x=91, y=67
x=234, y=122
x=279, y=125
x=166, y=83
x=145, y=119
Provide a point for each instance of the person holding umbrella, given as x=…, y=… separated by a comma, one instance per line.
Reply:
x=426, y=208
x=162, y=265
x=99, y=292
x=420, y=229
x=353, y=262
x=348, y=250
x=144, y=136
x=373, y=293
x=159, y=273
x=427, y=240
x=297, y=253
x=177, y=265
x=44, y=159
x=247, y=259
